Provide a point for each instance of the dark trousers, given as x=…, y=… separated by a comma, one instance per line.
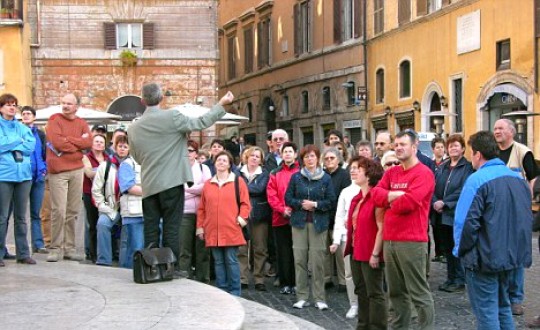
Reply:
x=455, y=271
x=284, y=255
x=92, y=216
x=438, y=234
x=368, y=286
x=168, y=206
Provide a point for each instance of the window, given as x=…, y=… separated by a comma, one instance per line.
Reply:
x=250, y=111
x=405, y=79
x=378, y=16
x=129, y=35
x=264, y=42
x=351, y=95
x=379, y=86
x=285, y=105
x=458, y=104
x=434, y=5
x=302, y=27
x=347, y=20
x=231, y=51
x=11, y=9
x=305, y=102
x=248, y=50
x=503, y=54
x=326, y=98
x=404, y=11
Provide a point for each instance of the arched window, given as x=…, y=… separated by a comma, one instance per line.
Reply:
x=326, y=98
x=405, y=79
x=305, y=102
x=351, y=93
x=379, y=86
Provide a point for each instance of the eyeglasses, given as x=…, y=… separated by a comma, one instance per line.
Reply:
x=191, y=150
x=394, y=163
x=278, y=139
x=380, y=143
x=329, y=158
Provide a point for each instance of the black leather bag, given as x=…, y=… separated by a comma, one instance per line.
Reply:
x=153, y=265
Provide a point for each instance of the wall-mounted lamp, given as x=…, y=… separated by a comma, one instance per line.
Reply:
x=443, y=101
x=271, y=108
x=387, y=111
x=168, y=93
x=416, y=106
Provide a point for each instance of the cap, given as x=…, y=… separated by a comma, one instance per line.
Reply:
x=269, y=135
x=99, y=127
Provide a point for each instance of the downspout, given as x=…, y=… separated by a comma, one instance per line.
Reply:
x=38, y=23
x=365, y=60
x=535, y=37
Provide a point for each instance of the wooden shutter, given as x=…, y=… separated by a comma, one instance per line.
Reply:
x=109, y=30
x=358, y=18
x=404, y=11
x=259, y=45
x=337, y=21
x=537, y=18
x=421, y=7
x=297, y=31
x=148, y=36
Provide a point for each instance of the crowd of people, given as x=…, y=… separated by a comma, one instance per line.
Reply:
x=360, y=214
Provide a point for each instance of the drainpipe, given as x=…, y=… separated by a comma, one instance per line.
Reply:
x=366, y=61
x=38, y=23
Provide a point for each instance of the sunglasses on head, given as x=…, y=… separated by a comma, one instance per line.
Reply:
x=392, y=163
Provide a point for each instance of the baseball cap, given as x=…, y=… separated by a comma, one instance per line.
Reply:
x=99, y=127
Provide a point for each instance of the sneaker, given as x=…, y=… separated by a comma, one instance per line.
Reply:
x=293, y=290
x=445, y=285
x=40, y=250
x=73, y=257
x=534, y=323
x=285, y=290
x=517, y=309
x=352, y=313
x=53, y=256
x=455, y=287
x=321, y=305
x=301, y=304
x=260, y=287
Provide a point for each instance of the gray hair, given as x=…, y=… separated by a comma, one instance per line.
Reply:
x=280, y=131
x=151, y=94
x=511, y=125
x=335, y=151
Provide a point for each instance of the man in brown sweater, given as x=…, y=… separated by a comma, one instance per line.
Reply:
x=67, y=137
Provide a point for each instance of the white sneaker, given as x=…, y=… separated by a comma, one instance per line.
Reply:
x=300, y=304
x=321, y=305
x=352, y=313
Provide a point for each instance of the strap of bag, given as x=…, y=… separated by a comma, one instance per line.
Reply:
x=237, y=191
x=107, y=169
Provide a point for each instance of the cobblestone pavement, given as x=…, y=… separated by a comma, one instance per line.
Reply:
x=452, y=309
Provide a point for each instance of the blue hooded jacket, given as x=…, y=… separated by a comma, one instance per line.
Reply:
x=493, y=221
x=39, y=167
x=15, y=136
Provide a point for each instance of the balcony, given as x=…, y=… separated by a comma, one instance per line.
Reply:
x=11, y=12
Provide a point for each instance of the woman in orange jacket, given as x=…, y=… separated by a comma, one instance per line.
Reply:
x=220, y=220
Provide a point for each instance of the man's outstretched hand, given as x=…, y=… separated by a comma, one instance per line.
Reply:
x=226, y=99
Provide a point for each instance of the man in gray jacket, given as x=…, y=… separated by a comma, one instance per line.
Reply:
x=158, y=142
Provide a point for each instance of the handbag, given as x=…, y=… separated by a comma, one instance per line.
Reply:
x=245, y=229
x=153, y=265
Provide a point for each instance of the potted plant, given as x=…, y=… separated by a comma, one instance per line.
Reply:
x=128, y=58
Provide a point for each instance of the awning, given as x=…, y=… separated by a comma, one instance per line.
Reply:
x=507, y=89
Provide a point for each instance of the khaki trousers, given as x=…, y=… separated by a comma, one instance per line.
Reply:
x=331, y=260
x=46, y=215
x=310, y=245
x=258, y=245
x=349, y=282
x=66, y=201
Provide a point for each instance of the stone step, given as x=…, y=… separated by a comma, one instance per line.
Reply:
x=70, y=295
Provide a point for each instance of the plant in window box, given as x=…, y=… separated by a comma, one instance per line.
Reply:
x=128, y=58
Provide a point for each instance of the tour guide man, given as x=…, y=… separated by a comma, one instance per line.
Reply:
x=158, y=142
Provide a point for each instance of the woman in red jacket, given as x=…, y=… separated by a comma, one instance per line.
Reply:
x=220, y=220
x=364, y=243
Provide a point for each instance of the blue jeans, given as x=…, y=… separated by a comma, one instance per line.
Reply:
x=18, y=193
x=488, y=294
x=132, y=239
x=104, y=241
x=36, y=199
x=517, y=285
x=227, y=269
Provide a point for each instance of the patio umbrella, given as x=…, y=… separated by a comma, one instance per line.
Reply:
x=195, y=111
x=90, y=115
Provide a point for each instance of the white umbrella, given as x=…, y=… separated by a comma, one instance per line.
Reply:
x=91, y=116
x=195, y=111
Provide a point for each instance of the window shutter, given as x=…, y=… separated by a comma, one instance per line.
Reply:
x=537, y=18
x=297, y=32
x=421, y=7
x=109, y=30
x=358, y=18
x=148, y=36
x=404, y=11
x=259, y=45
x=337, y=21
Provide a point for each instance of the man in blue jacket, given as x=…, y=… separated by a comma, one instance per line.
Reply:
x=492, y=231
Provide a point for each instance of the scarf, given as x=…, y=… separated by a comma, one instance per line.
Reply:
x=312, y=177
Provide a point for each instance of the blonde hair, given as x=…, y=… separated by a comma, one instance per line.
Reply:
x=247, y=153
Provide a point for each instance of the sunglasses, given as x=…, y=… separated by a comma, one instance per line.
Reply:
x=394, y=163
